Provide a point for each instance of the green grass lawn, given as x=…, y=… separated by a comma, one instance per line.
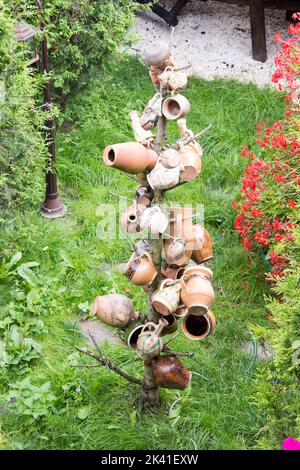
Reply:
x=94, y=408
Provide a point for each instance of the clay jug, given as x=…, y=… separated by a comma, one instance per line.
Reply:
x=132, y=333
x=170, y=372
x=191, y=162
x=157, y=54
x=140, y=270
x=172, y=325
x=172, y=273
x=202, y=252
x=149, y=343
x=176, y=253
x=144, y=195
x=181, y=311
x=197, y=293
x=131, y=157
x=163, y=178
x=197, y=327
x=155, y=220
x=181, y=226
x=130, y=218
x=175, y=107
x=114, y=310
x=165, y=299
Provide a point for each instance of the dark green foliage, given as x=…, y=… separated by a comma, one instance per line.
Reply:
x=22, y=151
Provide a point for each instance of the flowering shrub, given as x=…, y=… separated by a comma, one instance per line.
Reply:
x=269, y=201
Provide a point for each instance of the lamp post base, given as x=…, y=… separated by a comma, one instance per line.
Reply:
x=53, y=208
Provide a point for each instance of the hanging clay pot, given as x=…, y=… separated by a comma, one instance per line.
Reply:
x=181, y=311
x=197, y=293
x=149, y=343
x=140, y=134
x=170, y=372
x=191, y=162
x=130, y=218
x=172, y=325
x=152, y=112
x=173, y=80
x=173, y=273
x=181, y=226
x=197, y=327
x=114, y=309
x=176, y=253
x=202, y=251
x=155, y=220
x=170, y=158
x=144, y=195
x=165, y=299
x=140, y=270
x=175, y=107
x=163, y=178
x=132, y=333
x=131, y=157
x=157, y=53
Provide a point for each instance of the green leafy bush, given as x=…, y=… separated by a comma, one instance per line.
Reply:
x=22, y=149
x=80, y=34
x=278, y=382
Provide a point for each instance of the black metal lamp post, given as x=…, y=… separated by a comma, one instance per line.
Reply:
x=52, y=207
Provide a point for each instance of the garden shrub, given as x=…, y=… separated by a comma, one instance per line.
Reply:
x=80, y=34
x=269, y=200
x=22, y=149
x=277, y=387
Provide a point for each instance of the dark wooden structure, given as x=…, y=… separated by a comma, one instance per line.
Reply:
x=257, y=18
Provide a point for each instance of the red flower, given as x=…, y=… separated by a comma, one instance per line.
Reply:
x=292, y=204
x=277, y=37
x=256, y=212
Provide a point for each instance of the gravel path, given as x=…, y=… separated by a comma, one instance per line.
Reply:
x=215, y=38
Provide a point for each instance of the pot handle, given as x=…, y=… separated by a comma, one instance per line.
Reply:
x=147, y=255
x=150, y=323
x=183, y=281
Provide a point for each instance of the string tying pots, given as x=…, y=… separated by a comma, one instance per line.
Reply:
x=131, y=157
x=197, y=327
x=197, y=292
x=114, y=310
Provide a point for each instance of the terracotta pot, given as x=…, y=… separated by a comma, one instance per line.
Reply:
x=191, y=162
x=172, y=325
x=176, y=253
x=114, y=310
x=197, y=327
x=140, y=134
x=175, y=107
x=163, y=178
x=131, y=157
x=157, y=54
x=166, y=298
x=130, y=218
x=169, y=372
x=144, y=195
x=181, y=226
x=132, y=333
x=152, y=111
x=149, y=343
x=205, y=252
x=172, y=79
x=181, y=311
x=170, y=158
x=197, y=293
x=155, y=220
x=154, y=76
x=140, y=270
x=172, y=273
